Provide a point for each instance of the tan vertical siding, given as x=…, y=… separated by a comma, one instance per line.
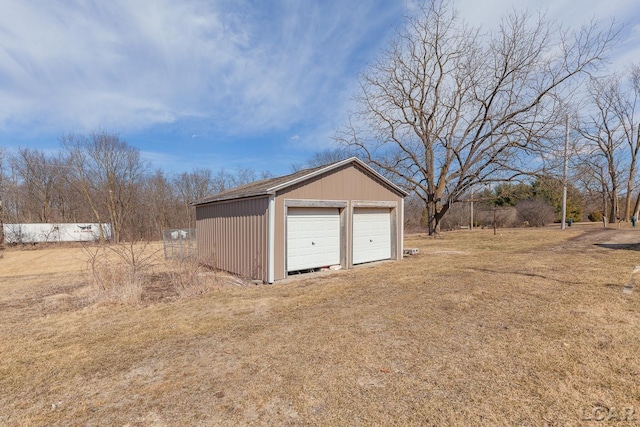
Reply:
x=233, y=236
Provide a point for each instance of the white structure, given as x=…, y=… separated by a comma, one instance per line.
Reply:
x=48, y=233
x=371, y=235
x=321, y=228
x=179, y=234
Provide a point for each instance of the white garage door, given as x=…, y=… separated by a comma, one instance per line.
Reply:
x=371, y=235
x=313, y=238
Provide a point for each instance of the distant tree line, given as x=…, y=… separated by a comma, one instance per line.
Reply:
x=98, y=177
x=509, y=204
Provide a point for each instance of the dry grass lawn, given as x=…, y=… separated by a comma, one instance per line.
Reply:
x=529, y=327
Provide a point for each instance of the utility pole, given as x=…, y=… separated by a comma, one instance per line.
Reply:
x=564, y=179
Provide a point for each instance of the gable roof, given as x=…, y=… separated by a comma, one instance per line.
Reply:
x=272, y=185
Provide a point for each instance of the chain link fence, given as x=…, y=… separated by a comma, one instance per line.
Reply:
x=179, y=244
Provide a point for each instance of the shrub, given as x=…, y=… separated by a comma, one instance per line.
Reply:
x=595, y=216
x=535, y=212
x=120, y=271
x=185, y=278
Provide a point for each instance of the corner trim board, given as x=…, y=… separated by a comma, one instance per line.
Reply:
x=272, y=241
x=401, y=253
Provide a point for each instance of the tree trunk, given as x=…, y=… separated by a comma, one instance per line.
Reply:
x=613, y=214
x=632, y=173
x=637, y=207
x=432, y=216
x=627, y=208
x=432, y=224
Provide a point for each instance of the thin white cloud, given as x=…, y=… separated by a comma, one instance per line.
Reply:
x=567, y=12
x=132, y=64
x=159, y=159
x=223, y=67
x=89, y=64
x=570, y=15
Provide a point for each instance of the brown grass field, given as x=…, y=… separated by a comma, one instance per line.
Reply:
x=529, y=327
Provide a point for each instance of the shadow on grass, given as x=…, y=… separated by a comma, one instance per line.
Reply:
x=625, y=246
x=527, y=274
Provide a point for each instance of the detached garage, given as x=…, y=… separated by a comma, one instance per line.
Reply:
x=341, y=214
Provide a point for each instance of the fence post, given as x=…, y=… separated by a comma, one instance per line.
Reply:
x=164, y=244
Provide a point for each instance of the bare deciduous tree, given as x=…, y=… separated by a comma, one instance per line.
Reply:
x=159, y=203
x=109, y=172
x=536, y=212
x=191, y=186
x=612, y=143
x=40, y=176
x=323, y=157
x=447, y=107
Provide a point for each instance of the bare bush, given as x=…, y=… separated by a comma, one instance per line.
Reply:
x=120, y=271
x=185, y=277
x=536, y=212
x=503, y=217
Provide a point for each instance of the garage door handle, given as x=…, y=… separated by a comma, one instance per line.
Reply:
x=313, y=243
x=371, y=240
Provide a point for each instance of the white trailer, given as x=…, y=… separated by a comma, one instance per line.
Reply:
x=48, y=233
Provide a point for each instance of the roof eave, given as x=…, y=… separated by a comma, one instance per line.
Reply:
x=231, y=197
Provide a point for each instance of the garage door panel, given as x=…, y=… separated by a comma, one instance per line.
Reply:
x=371, y=235
x=313, y=238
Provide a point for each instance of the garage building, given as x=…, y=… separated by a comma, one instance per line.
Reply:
x=342, y=214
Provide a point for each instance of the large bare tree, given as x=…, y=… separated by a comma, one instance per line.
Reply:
x=192, y=186
x=322, y=157
x=109, y=172
x=448, y=106
x=611, y=139
x=40, y=176
x=633, y=142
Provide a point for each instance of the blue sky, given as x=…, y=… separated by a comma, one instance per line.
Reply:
x=217, y=84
